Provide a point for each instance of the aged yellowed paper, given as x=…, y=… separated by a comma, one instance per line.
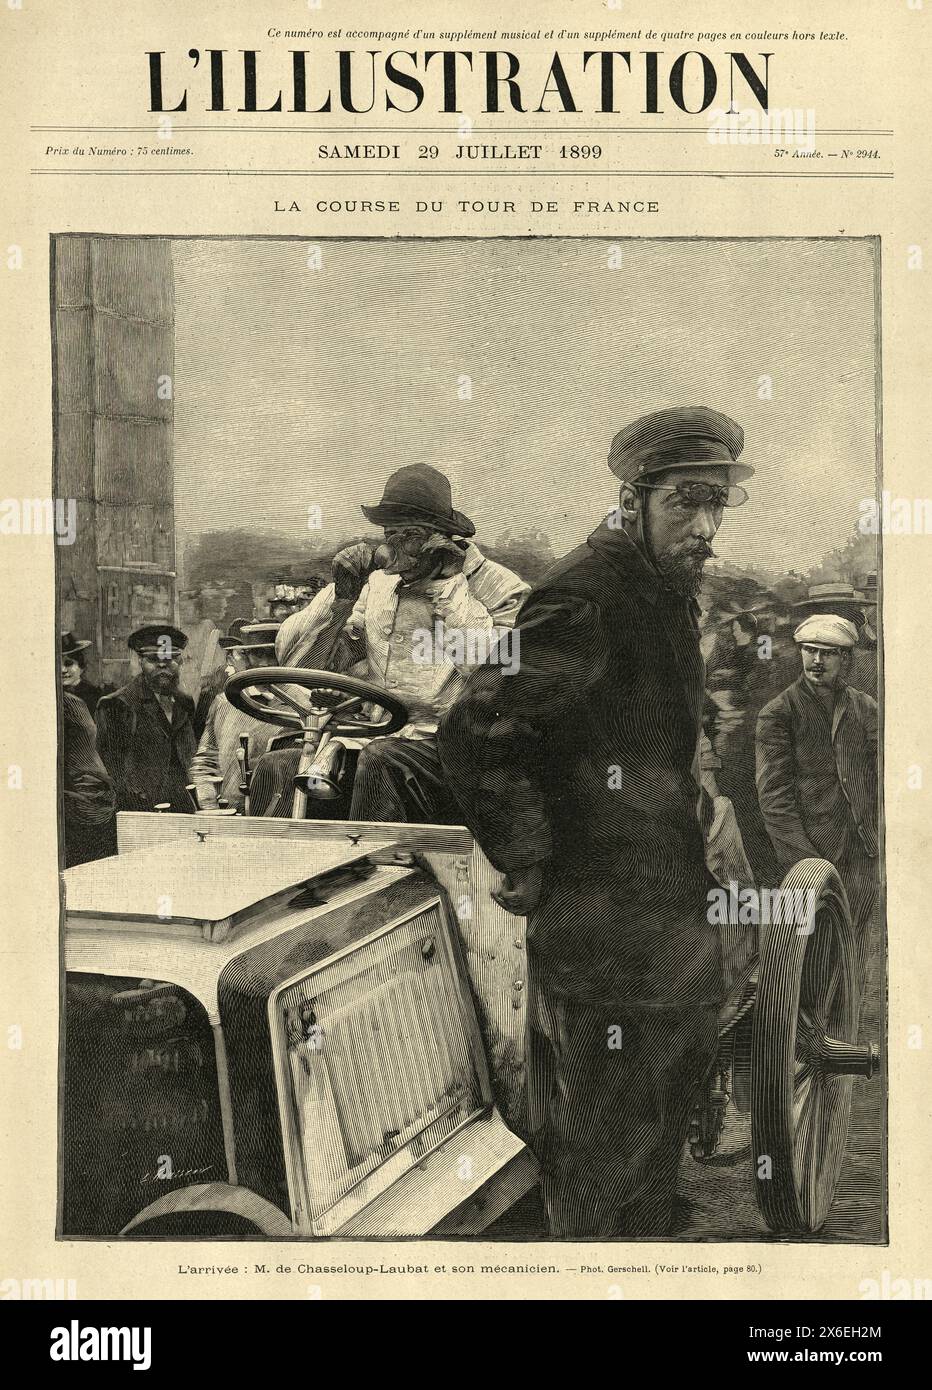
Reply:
x=464, y=776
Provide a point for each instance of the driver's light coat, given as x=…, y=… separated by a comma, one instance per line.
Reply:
x=483, y=596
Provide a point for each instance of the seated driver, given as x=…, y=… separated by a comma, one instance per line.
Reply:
x=410, y=619
x=432, y=609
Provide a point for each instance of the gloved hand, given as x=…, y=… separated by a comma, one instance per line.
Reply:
x=440, y=557
x=417, y=554
x=350, y=568
x=444, y=556
x=519, y=892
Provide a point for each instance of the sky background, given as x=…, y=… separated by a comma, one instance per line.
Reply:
x=297, y=387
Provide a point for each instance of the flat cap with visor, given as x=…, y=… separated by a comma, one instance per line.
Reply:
x=693, y=436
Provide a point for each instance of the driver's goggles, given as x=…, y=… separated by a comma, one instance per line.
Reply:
x=410, y=538
x=696, y=494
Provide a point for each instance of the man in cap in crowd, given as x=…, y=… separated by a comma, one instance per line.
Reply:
x=215, y=770
x=145, y=730
x=817, y=768
x=429, y=580
x=844, y=601
x=578, y=775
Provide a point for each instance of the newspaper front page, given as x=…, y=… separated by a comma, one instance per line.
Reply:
x=465, y=772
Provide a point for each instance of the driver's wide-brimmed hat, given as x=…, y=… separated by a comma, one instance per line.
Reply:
x=419, y=494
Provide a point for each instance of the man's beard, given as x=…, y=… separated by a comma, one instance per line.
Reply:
x=163, y=684
x=682, y=565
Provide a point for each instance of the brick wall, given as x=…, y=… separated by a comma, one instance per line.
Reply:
x=114, y=351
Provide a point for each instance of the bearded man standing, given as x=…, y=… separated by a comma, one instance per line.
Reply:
x=145, y=730
x=578, y=775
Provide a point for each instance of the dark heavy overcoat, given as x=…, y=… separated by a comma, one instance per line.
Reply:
x=147, y=757
x=87, y=792
x=584, y=760
x=817, y=774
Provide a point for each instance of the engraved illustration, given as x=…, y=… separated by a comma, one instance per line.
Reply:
x=470, y=738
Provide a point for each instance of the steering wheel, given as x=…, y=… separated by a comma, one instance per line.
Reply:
x=322, y=707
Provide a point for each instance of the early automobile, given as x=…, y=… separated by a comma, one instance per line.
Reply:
x=304, y=1027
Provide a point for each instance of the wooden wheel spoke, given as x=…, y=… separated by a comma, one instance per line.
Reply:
x=810, y=1031
x=808, y=1151
x=802, y=1097
x=831, y=991
x=802, y=1146
x=821, y=972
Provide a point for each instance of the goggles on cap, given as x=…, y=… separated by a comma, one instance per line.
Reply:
x=699, y=494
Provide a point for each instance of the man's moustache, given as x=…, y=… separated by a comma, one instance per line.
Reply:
x=697, y=551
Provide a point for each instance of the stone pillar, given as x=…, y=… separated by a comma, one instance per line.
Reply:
x=114, y=370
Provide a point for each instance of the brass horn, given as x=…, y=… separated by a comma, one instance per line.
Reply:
x=322, y=779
